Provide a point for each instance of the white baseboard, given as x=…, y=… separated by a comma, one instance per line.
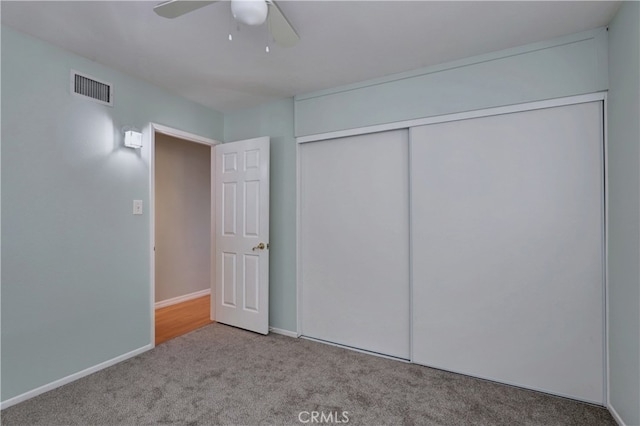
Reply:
x=73, y=377
x=283, y=332
x=183, y=298
x=615, y=415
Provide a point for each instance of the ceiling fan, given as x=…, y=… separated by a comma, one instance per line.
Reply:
x=250, y=12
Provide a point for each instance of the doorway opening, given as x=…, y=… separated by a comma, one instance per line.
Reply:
x=182, y=222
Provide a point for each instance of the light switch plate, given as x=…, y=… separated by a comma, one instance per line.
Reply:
x=137, y=206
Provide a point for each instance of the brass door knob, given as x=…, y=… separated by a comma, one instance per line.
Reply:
x=260, y=246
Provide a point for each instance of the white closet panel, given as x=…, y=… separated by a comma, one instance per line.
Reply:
x=507, y=240
x=355, y=241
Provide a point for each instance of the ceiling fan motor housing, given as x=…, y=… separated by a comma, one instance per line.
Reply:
x=249, y=12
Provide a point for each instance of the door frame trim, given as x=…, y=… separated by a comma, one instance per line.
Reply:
x=151, y=138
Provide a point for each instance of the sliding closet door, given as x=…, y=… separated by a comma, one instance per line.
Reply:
x=507, y=240
x=354, y=238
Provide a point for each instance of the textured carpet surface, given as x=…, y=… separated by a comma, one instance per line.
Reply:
x=222, y=375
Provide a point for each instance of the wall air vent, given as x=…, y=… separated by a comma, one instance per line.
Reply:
x=88, y=87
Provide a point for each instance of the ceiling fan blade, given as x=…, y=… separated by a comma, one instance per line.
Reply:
x=281, y=29
x=174, y=8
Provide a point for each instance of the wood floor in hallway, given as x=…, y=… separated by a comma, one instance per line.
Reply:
x=181, y=318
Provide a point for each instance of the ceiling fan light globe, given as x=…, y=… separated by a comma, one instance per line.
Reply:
x=249, y=12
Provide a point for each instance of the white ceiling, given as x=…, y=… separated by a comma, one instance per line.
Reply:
x=341, y=42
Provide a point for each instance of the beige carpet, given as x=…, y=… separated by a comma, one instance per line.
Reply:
x=222, y=375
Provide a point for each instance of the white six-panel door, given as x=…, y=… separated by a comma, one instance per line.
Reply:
x=242, y=234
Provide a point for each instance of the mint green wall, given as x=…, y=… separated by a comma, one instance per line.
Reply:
x=624, y=212
x=275, y=119
x=75, y=261
x=75, y=276
x=566, y=66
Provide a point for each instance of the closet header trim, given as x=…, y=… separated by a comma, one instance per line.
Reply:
x=486, y=112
